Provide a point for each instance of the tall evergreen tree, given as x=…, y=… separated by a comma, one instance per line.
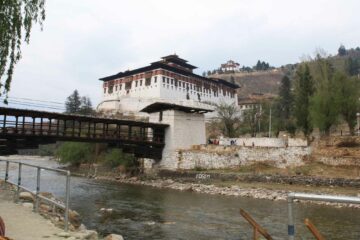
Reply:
x=342, y=50
x=86, y=106
x=73, y=102
x=283, y=107
x=304, y=89
x=286, y=98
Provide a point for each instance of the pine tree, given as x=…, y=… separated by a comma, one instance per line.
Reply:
x=304, y=89
x=283, y=107
x=342, y=50
x=73, y=103
x=86, y=106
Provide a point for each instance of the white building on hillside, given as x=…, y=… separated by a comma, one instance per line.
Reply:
x=230, y=66
x=170, y=79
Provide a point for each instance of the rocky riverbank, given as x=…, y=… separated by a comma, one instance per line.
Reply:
x=234, y=190
x=54, y=216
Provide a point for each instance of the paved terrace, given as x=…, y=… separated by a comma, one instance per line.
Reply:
x=22, y=223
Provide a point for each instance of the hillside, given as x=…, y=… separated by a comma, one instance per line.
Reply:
x=254, y=82
x=268, y=82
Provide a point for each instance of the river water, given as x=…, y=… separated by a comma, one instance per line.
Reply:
x=141, y=212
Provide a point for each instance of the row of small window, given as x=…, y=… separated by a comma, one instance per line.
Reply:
x=128, y=85
x=247, y=106
x=188, y=86
x=206, y=92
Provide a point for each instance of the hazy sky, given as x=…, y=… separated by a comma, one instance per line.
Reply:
x=84, y=40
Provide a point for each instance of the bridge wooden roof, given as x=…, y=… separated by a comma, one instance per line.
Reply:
x=66, y=116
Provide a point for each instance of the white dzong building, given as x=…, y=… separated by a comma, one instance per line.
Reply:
x=168, y=80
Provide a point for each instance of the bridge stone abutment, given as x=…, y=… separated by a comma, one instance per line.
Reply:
x=186, y=128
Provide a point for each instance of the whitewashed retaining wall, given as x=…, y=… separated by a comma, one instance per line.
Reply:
x=265, y=142
x=241, y=156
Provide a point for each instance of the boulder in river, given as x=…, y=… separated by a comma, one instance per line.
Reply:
x=106, y=210
x=114, y=237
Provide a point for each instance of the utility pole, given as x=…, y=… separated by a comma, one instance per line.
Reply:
x=270, y=124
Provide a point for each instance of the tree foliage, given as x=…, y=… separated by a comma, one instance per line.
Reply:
x=228, y=115
x=324, y=109
x=262, y=66
x=347, y=98
x=116, y=157
x=352, y=66
x=342, y=50
x=16, y=18
x=76, y=153
x=79, y=105
x=283, y=108
x=304, y=89
x=251, y=119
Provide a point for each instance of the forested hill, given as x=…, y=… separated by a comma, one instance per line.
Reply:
x=268, y=82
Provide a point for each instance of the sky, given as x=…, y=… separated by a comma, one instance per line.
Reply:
x=85, y=40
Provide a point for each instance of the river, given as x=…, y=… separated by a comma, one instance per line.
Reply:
x=141, y=212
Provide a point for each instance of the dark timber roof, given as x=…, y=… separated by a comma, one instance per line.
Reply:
x=67, y=116
x=179, y=61
x=160, y=106
x=161, y=65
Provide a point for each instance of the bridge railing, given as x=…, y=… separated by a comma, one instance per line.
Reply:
x=38, y=197
x=313, y=197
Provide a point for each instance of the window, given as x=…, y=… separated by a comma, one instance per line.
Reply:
x=155, y=79
x=120, y=86
x=136, y=83
x=111, y=88
x=172, y=81
x=127, y=85
x=167, y=80
x=163, y=79
x=104, y=90
x=160, y=116
x=140, y=82
x=116, y=88
x=147, y=81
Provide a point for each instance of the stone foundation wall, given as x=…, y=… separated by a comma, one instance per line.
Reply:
x=221, y=157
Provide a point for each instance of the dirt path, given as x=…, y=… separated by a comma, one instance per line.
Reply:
x=23, y=224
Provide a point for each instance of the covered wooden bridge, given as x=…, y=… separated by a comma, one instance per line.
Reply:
x=24, y=129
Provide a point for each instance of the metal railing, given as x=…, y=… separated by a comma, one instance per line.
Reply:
x=36, y=193
x=313, y=197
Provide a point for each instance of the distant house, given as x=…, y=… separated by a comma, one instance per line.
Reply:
x=254, y=100
x=230, y=66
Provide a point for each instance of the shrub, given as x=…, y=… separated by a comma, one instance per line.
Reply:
x=76, y=153
x=116, y=157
